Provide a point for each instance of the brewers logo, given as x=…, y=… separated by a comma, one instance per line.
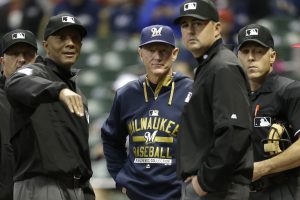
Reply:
x=152, y=138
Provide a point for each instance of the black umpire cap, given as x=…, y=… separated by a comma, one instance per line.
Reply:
x=255, y=33
x=17, y=36
x=61, y=21
x=200, y=9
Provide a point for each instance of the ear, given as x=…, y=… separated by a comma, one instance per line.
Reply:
x=45, y=45
x=140, y=54
x=218, y=28
x=273, y=56
x=2, y=61
x=175, y=52
x=2, y=68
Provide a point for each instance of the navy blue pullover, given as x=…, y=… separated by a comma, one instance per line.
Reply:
x=151, y=120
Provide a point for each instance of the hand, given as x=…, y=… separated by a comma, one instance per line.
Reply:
x=258, y=171
x=196, y=185
x=72, y=100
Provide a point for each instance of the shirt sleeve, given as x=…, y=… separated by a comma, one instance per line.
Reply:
x=292, y=107
x=113, y=133
x=231, y=118
x=30, y=86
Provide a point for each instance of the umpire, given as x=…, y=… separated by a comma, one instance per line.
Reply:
x=214, y=146
x=276, y=118
x=18, y=48
x=50, y=131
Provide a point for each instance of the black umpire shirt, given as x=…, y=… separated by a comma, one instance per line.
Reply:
x=47, y=138
x=6, y=152
x=277, y=101
x=214, y=138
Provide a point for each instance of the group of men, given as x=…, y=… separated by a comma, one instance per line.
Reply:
x=237, y=134
x=231, y=134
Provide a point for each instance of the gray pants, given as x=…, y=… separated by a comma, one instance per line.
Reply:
x=45, y=188
x=235, y=192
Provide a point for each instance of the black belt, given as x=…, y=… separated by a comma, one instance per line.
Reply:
x=265, y=182
x=74, y=181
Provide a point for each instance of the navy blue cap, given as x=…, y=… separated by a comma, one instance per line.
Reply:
x=17, y=36
x=61, y=21
x=255, y=33
x=157, y=33
x=199, y=9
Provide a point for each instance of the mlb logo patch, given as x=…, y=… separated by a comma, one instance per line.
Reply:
x=262, y=122
x=233, y=116
x=153, y=113
x=18, y=36
x=190, y=6
x=252, y=31
x=68, y=19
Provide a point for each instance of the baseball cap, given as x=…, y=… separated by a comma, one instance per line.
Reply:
x=200, y=9
x=157, y=33
x=60, y=21
x=255, y=33
x=17, y=36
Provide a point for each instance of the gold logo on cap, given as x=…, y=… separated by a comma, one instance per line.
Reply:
x=68, y=19
x=190, y=6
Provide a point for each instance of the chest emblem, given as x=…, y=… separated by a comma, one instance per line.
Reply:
x=233, y=116
x=262, y=122
x=153, y=113
x=150, y=137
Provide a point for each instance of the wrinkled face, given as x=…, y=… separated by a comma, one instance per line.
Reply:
x=199, y=35
x=158, y=59
x=16, y=56
x=63, y=47
x=257, y=60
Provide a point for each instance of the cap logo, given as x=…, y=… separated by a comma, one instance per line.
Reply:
x=68, y=19
x=190, y=6
x=252, y=31
x=156, y=32
x=18, y=36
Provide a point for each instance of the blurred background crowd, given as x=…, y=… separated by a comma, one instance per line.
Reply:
x=109, y=57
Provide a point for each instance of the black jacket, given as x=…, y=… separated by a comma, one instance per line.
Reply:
x=277, y=101
x=6, y=152
x=47, y=138
x=214, y=139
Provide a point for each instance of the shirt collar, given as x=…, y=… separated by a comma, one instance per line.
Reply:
x=210, y=52
x=267, y=86
x=202, y=60
x=66, y=73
